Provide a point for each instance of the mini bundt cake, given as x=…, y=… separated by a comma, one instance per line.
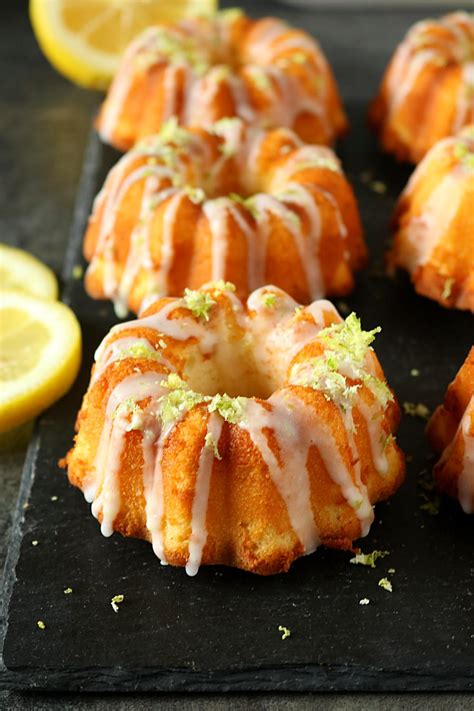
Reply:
x=451, y=434
x=427, y=92
x=237, y=435
x=434, y=224
x=202, y=70
x=175, y=212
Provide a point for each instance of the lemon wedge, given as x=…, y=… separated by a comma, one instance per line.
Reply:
x=20, y=270
x=84, y=39
x=40, y=354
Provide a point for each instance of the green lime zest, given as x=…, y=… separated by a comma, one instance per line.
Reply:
x=232, y=409
x=385, y=584
x=285, y=631
x=269, y=300
x=368, y=558
x=247, y=203
x=199, y=303
x=179, y=400
x=348, y=338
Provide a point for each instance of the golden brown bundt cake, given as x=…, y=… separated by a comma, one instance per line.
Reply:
x=236, y=203
x=434, y=224
x=451, y=434
x=427, y=92
x=244, y=435
x=202, y=70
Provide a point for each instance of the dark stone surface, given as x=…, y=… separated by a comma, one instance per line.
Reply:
x=45, y=123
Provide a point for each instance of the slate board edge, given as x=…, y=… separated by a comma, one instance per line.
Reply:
x=84, y=199
x=311, y=678
x=16, y=535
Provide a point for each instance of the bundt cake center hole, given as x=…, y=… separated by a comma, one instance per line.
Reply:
x=238, y=188
x=233, y=368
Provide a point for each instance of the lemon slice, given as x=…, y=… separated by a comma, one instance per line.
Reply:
x=40, y=354
x=20, y=270
x=83, y=39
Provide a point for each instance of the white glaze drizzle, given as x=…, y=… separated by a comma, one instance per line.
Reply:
x=372, y=415
x=291, y=98
x=291, y=477
x=153, y=489
x=309, y=258
x=139, y=254
x=301, y=196
x=311, y=431
x=411, y=59
x=244, y=147
x=179, y=328
x=198, y=536
x=216, y=212
x=120, y=349
x=294, y=426
x=465, y=103
x=119, y=92
x=422, y=233
x=167, y=242
x=103, y=488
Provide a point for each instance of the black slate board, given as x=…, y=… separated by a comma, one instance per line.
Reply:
x=219, y=631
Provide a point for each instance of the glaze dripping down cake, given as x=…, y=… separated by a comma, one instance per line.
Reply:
x=236, y=203
x=201, y=70
x=451, y=434
x=237, y=434
x=427, y=92
x=434, y=224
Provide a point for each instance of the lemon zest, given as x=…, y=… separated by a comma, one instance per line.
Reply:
x=368, y=558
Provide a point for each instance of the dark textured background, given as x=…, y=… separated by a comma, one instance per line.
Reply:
x=45, y=122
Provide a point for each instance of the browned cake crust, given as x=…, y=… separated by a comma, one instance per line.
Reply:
x=433, y=224
x=201, y=70
x=451, y=435
x=245, y=205
x=296, y=459
x=427, y=90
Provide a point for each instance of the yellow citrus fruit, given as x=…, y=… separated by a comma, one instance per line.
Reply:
x=20, y=270
x=40, y=354
x=84, y=39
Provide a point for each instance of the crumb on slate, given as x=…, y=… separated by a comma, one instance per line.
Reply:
x=115, y=602
x=77, y=272
x=378, y=187
x=385, y=584
x=428, y=493
x=416, y=410
x=368, y=558
x=286, y=632
x=431, y=507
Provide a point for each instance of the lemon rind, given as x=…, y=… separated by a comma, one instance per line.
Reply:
x=44, y=384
